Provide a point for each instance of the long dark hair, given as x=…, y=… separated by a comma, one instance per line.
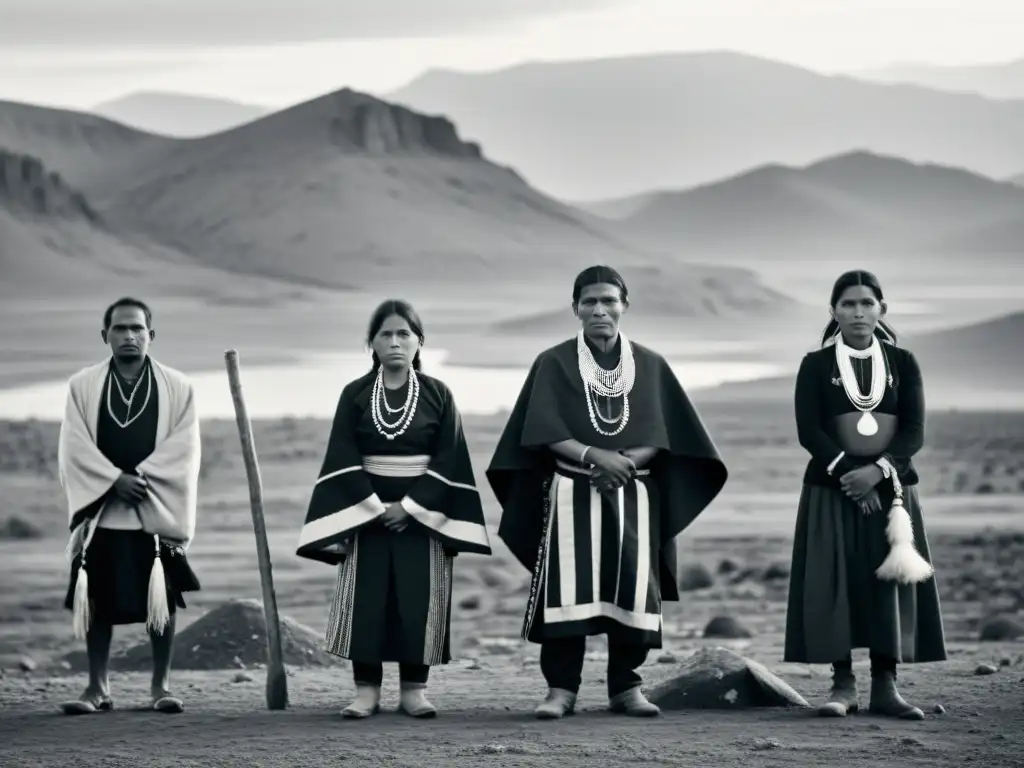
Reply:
x=405, y=311
x=883, y=331
x=595, y=276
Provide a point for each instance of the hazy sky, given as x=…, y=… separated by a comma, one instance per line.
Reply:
x=81, y=52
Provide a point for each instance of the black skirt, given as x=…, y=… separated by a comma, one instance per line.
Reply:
x=837, y=603
x=119, y=564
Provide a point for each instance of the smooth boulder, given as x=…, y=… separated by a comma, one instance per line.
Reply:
x=717, y=678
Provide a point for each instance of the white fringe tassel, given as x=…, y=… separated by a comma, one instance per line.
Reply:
x=81, y=615
x=904, y=563
x=81, y=618
x=159, y=612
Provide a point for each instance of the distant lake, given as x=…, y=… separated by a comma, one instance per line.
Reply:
x=311, y=388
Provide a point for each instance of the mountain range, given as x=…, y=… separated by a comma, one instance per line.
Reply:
x=607, y=128
x=994, y=81
x=311, y=213
x=841, y=206
x=179, y=114
x=345, y=192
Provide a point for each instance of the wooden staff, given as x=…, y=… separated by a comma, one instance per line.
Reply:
x=277, y=682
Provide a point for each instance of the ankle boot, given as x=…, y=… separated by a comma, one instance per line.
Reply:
x=632, y=702
x=366, y=702
x=842, y=699
x=557, y=703
x=886, y=700
x=414, y=700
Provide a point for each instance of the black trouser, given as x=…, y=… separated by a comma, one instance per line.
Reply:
x=373, y=674
x=879, y=664
x=561, y=662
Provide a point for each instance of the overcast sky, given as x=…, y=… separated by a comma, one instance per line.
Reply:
x=80, y=52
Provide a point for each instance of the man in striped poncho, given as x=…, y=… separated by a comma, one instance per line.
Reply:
x=602, y=465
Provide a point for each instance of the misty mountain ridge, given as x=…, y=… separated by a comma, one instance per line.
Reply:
x=179, y=115
x=74, y=144
x=351, y=192
x=1003, y=80
x=836, y=205
x=608, y=128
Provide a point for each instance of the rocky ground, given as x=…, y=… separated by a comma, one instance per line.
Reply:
x=737, y=579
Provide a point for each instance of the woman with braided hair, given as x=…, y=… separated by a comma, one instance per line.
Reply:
x=395, y=502
x=861, y=573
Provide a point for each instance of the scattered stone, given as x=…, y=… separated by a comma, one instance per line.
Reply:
x=726, y=627
x=1001, y=628
x=938, y=709
x=667, y=657
x=233, y=632
x=242, y=677
x=776, y=572
x=746, y=574
x=470, y=603
x=27, y=664
x=985, y=669
x=727, y=566
x=764, y=744
x=1005, y=661
x=910, y=741
x=694, y=577
x=717, y=678
x=239, y=663
x=16, y=529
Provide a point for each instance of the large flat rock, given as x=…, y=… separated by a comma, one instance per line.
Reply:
x=717, y=678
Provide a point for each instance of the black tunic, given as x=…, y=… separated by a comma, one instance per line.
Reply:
x=820, y=398
x=393, y=597
x=836, y=602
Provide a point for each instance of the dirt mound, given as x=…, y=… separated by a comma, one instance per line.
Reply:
x=717, y=678
x=227, y=637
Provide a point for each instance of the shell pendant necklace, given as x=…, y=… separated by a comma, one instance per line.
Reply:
x=867, y=425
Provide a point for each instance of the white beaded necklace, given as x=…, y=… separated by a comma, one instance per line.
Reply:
x=130, y=399
x=406, y=412
x=597, y=382
x=867, y=425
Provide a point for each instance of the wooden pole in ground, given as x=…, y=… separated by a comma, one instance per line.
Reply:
x=277, y=682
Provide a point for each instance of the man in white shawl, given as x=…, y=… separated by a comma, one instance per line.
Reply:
x=129, y=464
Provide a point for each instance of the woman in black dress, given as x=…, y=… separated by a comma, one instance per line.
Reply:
x=861, y=571
x=394, y=503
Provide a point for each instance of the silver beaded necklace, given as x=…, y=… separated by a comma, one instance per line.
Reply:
x=598, y=382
